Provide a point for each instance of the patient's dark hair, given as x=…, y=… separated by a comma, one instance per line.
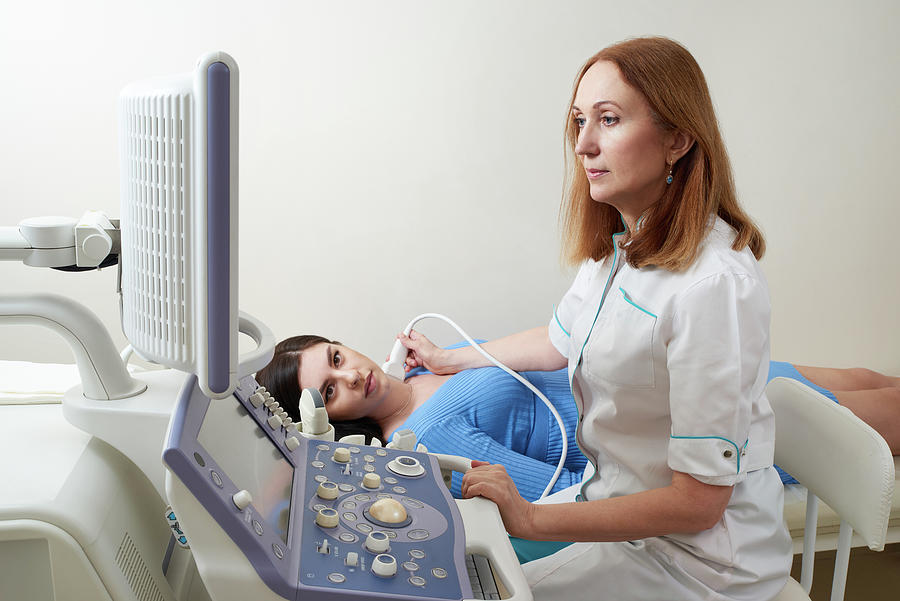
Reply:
x=281, y=379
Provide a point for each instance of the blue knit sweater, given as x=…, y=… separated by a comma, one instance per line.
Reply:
x=487, y=415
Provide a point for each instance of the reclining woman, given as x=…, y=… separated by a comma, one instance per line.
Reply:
x=476, y=413
x=486, y=414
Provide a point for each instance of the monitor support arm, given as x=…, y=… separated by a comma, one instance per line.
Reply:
x=62, y=242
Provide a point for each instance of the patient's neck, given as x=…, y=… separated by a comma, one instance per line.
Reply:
x=411, y=394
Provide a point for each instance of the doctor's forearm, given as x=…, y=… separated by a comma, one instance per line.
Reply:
x=681, y=507
x=530, y=350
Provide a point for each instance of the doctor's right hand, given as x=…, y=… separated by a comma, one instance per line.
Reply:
x=424, y=353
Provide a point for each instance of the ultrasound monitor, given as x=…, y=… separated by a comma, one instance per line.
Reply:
x=254, y=464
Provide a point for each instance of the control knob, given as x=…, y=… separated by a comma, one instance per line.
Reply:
x=327, y=518
x=327, y=490
x=377, y=542
x=242, y=499
x=384, y=565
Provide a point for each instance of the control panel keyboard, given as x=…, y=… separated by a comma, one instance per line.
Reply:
x=376, y=520
x=485, y=584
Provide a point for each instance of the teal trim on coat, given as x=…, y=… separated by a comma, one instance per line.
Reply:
x=634, y=304
x=737, y=449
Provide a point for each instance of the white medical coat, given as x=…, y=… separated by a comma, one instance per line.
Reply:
x=669, y=371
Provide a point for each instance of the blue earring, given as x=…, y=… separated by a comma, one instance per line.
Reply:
x=669, y=177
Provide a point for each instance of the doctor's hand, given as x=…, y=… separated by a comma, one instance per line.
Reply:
x=423, y=353
x=492, y=482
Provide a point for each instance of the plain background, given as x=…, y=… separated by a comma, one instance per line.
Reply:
x=399, y=157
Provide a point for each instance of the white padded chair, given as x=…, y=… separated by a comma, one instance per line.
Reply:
x=839, y=459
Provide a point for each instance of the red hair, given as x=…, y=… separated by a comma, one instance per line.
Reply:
x=671, y=231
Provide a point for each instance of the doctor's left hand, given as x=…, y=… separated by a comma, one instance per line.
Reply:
x=492, y=482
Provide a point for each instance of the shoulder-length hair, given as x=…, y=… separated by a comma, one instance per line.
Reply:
x=673, y=228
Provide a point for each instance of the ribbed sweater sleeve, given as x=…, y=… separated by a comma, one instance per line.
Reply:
x=530, y=475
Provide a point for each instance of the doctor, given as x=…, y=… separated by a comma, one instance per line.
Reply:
x=665, y=334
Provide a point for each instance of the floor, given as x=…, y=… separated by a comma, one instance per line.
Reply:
x=871, y=577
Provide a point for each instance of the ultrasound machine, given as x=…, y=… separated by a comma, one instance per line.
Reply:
x=244, y=503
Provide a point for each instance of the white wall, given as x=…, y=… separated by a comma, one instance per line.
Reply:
x=401, y=157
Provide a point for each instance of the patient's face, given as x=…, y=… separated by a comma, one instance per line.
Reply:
x=352, y=385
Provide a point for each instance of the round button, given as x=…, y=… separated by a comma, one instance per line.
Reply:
x=319, y=506
x=347, y=537
x=417, y=534
x=390, y=480
x=341, y=455
x=350, y=517
x=371, y=481
x=317, y=464
x=279, y=552
x=383, y=495
x=415, y=503
x=410, y=566
x=321, y=478
x=377, y=542
x=322, y=447
x=384, y=565
x=327, y=491
x=336, y=578
x=389, y=511
x=349, y=505
x=417, y=554
x=381, y=453
x=727, y=454
x=391, y=534
x=327, y=518
x=406, y=466
x=363, y=498
x=400, y=490
x=216, y=478
x=368, y=458
x=257, y=527
x=439, y=573
x=363, y=527
x=369, y=467
x=354, y=450
x=345, y=487
x=417, y=581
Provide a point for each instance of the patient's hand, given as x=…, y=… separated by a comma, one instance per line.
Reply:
x=423, y=353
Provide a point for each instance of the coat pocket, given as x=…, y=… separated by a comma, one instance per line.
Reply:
x=620, y=350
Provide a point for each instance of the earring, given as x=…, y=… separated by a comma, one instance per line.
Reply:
x=669, y=177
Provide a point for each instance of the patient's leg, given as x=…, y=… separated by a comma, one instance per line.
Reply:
x=879, y=408
x=857, y=378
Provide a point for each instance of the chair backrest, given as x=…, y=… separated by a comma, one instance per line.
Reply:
x=839, y=459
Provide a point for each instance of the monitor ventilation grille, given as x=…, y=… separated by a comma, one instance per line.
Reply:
x=156, y=199
x=136, y=573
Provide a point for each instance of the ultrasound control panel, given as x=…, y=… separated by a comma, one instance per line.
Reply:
x=318, y=519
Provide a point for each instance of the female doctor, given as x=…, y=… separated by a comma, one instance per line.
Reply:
x=665, y=334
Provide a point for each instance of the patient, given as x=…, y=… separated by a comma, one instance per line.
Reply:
x=486, y=414
x=479, y=413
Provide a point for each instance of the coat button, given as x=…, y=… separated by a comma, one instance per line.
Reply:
x=727, y=454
